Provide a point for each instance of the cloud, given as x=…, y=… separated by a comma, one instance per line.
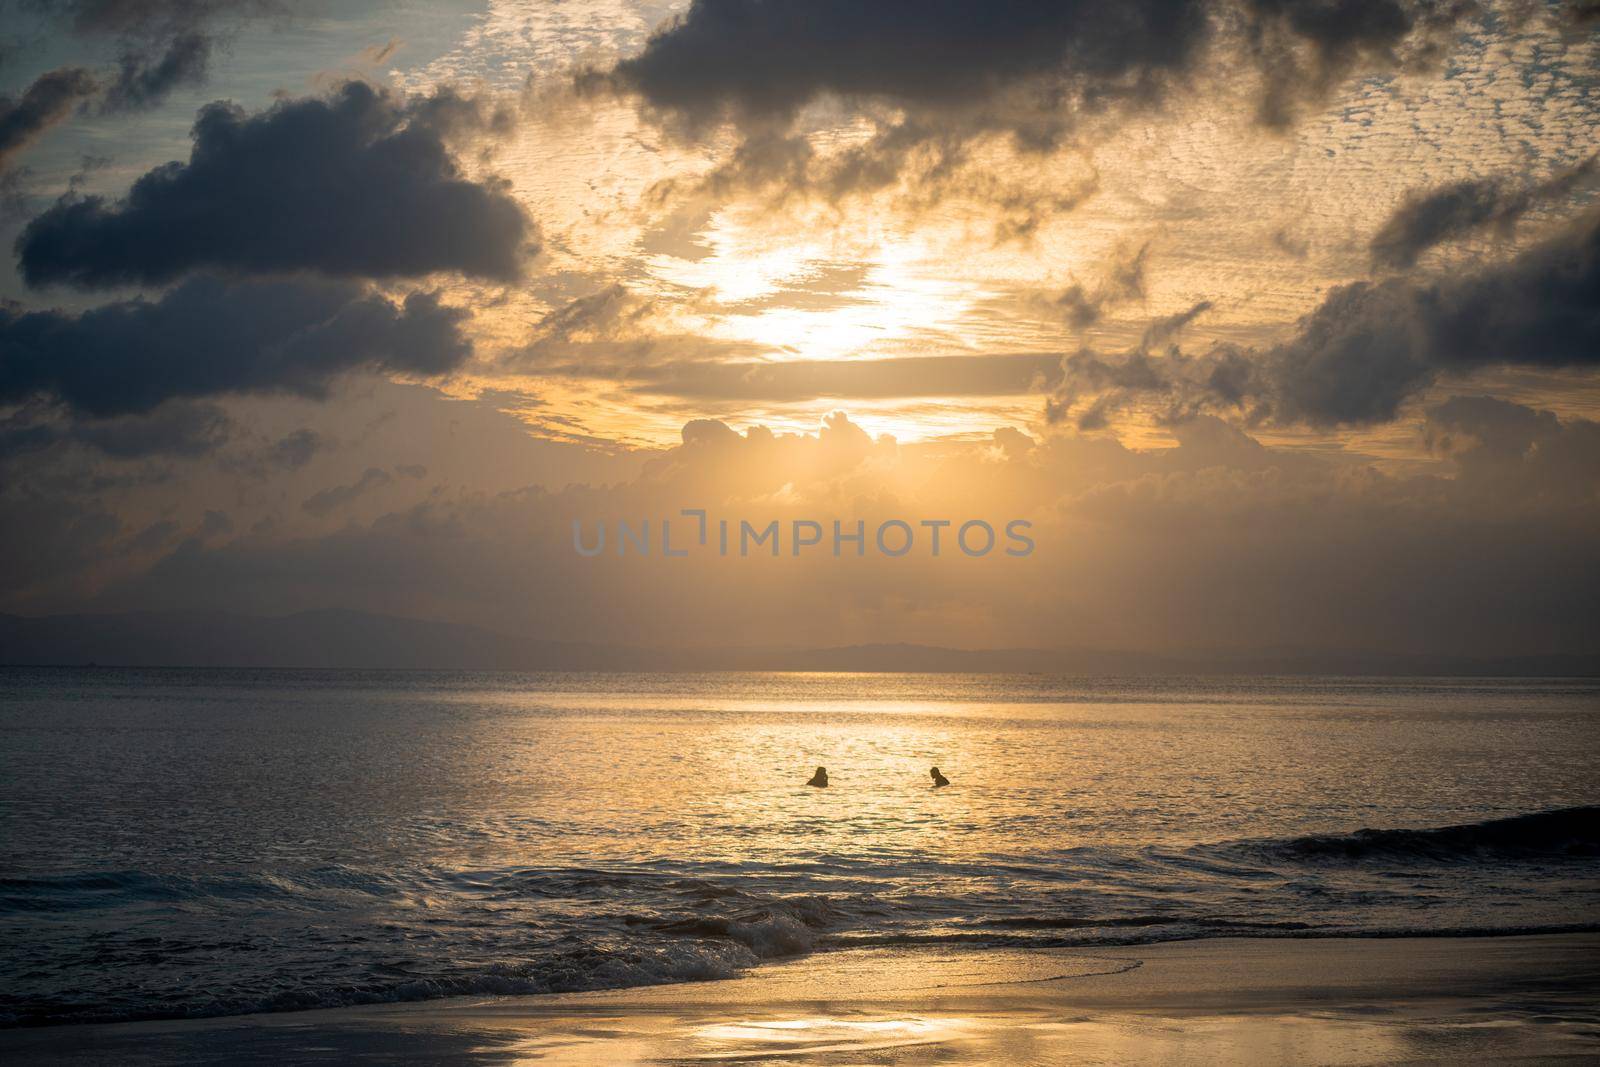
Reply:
x=1219, y=541
x=360, y=183
x=177, y=429
x=614, y=331
x=153, y=536
x=1080, y=306
x=327, y=501
x=289, y=453
x=905, y=376
x=145, y=80
x=215, y=524
x=1511, y=450
x=924, y=103
x=51, y=542
x=1371, y=346
x=210, y=337
x=755, y=61
x=1022, y=67
x=377, y=54
x=296, y=449
x=161, y=44
x=49, y=100
x=1305, y=48
x=1460, y=209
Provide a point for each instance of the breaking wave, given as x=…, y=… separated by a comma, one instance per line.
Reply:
x=226, y=943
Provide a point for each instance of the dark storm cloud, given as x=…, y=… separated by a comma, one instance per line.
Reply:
x=361, y=183
x=1371, y=346
x=1460, y=209
x=1014, y=62
x=49, y=100
x=754, y=59
x=208, y=337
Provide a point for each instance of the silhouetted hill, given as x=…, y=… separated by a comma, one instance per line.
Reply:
x=306, y=639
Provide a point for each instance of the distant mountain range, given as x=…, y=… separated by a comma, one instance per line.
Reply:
x=355, y=639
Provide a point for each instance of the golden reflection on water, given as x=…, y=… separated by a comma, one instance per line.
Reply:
x=816, y=1035
x=1000, y=1032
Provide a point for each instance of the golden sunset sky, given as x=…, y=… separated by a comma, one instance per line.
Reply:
x=1278, y=319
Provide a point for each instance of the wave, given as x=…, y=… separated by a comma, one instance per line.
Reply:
x=1559, y=833
x=422, y=933
x=118, y=888
x=575, y=970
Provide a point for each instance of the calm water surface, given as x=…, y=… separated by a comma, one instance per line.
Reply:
x=211, y=842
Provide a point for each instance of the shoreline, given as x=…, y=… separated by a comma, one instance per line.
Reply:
x=1260, y=1000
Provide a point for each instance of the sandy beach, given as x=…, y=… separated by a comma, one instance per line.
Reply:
x=1334, y=1001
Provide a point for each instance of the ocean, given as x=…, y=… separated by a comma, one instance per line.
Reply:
x=178, y=843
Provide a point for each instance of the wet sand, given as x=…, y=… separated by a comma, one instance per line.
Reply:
x=1344, y=1001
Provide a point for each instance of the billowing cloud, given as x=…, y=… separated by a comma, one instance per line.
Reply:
x=1371, y=346
x=361, y=183
x=1460, y=209
x=835, y=99
x=755, y=61
x=1022, y=67
x=1516, y=451
x=49, y=100
x=209, y=337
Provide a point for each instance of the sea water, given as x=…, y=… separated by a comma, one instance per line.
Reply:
x=204, y=842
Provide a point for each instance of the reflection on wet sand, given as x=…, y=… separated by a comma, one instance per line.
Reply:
x=1246, y=1001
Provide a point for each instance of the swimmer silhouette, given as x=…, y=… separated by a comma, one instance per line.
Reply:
x=938, y=779
x=820, y=779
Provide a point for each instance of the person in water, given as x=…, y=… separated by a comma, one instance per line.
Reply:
x=939, y=780
x=820, y=779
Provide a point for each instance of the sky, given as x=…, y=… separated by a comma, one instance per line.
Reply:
x=1278, y=321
